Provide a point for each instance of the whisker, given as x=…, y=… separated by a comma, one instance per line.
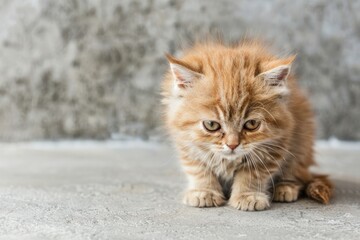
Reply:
x=247, y=161
x=270, y=175
x=272, y=158
x=257, y=173
x=277, y=146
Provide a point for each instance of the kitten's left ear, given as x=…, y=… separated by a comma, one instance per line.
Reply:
x=277, y=76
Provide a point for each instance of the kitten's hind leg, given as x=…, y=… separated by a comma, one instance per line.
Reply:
x=291, y=182
x=286, y=191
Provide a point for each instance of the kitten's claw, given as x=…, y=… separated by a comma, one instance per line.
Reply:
x=286, y=192
x=250, y=201
x=203, y=198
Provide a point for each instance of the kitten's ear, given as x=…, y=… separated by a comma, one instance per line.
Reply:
x=278, y=73
x=182, y=74
x=277, y=78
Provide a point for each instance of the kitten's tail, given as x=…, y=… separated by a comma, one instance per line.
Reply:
x=320, y=188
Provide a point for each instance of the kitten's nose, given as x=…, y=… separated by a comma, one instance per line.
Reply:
x=232, y=146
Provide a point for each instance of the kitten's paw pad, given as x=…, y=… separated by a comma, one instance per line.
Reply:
x=250, y=201
x=203, y=198
x=286, y=193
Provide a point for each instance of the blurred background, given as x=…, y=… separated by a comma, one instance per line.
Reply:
x=91, y=69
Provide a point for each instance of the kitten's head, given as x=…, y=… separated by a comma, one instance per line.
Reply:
x=227, y=101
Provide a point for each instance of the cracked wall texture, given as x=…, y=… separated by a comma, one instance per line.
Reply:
x=92, y=68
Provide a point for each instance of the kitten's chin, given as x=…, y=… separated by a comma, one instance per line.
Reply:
x=232, y=156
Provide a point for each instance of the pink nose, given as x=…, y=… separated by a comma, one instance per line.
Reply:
x=232, y=146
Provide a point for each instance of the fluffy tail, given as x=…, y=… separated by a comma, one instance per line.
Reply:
x=320, y=188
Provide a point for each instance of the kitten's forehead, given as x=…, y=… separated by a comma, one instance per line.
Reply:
x=229, y=87
x=227, y=97
x=234, y=109
x=233, y=84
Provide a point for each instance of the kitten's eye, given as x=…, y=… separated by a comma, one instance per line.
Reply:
x=252, y=125
x=211, y=126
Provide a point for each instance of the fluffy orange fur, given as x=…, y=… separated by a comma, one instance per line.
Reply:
x=243, y=129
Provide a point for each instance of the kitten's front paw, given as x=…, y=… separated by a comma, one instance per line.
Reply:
x=286, y=192
x=250, y=201
x=203, y=198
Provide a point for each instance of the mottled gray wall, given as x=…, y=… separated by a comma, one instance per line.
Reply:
x=90, y=69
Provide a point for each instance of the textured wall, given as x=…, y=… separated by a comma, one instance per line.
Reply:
x=91, y=68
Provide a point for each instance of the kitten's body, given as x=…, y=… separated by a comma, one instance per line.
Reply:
x=231, y=88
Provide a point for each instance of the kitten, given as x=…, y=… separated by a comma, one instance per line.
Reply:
x=243, y=129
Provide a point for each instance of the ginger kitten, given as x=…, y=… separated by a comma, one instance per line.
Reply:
x=243, y=129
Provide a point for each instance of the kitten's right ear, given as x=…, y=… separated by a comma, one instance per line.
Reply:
x=182, y=74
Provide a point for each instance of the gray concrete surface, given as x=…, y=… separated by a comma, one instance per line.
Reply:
x=132, y=191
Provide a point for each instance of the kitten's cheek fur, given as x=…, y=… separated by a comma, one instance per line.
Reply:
x=250, y=201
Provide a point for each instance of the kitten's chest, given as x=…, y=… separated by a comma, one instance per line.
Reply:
x=225, y=173
x=225, y=170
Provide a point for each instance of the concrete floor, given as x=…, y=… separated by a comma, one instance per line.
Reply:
x=132, y=191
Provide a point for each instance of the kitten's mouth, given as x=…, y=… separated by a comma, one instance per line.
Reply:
x=231, y=153
x=232, y=156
